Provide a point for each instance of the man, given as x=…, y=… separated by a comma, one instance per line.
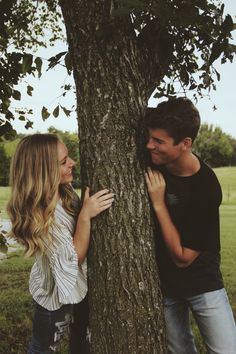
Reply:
x=186, y=196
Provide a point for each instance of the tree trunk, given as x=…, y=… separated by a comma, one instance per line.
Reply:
x=112, y=83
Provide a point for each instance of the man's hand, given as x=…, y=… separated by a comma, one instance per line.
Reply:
x=156, y=187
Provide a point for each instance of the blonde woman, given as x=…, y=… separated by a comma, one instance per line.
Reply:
x=45, y=216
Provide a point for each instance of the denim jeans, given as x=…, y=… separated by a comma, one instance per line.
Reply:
x=214, y=317
x=49, y=327
x=79, y=337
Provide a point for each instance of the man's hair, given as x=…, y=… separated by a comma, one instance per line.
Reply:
x=178, y=116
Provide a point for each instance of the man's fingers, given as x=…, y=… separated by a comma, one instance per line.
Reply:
x=153, y=176
x=147, y=179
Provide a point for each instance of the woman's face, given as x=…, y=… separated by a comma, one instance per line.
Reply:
x=66, y=164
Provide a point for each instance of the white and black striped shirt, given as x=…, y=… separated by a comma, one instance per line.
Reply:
x=56, y=277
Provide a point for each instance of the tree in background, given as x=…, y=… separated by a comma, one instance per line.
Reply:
x=233, y=145
x=5, y=165
x=120, y=52
x=214, y=146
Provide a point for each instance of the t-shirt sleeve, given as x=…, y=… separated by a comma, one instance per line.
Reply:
x=65, y=268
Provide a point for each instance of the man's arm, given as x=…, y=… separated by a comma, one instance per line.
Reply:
x=181, y=256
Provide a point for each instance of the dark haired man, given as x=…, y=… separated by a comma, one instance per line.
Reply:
x=186, y=196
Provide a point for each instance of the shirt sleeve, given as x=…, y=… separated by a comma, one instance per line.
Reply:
x=65, y=268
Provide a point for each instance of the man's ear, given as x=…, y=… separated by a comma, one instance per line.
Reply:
x=187, y=143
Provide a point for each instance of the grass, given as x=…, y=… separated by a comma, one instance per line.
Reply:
x=15, y=304
x=227, y=178
x=16, y=308
x=15, y=301
x=4, y=196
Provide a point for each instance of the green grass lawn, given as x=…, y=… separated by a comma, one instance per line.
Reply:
x=227, y=178
x=4, y=196
x=16, y=303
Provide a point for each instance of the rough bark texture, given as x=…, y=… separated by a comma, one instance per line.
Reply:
x=113, y=79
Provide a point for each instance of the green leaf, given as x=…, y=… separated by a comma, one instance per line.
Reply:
x=56, y=111
x=227, y=25
x=7, y=130
x=21, y=118
x=53, y=61
x=29, y=124
x=38, y=62
x=66, y=111
x=45, y=114
x=29, y=90
x=16, y=95
x=9, y=115
x=27, y=63
x=217, y=49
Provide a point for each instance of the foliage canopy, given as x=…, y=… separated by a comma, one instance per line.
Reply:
x=184, y=37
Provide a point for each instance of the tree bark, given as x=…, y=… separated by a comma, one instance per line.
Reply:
x=113, y=81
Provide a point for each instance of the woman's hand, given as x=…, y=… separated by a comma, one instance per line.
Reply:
x=156, y=187
x=94, y=205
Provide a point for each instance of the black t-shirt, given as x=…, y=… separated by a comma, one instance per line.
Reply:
x=193, y=203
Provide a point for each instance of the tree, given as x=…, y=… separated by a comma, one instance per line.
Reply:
x=214, y=146
x=120, y=51
x=24, y=25
x=233, y=144
x=5, y=163
x=115, y=71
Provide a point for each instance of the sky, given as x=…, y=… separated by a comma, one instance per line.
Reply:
x=47, y=93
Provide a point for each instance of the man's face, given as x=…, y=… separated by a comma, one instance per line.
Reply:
x=162, y=148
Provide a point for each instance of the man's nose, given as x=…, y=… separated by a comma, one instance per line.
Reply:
x=149, y=144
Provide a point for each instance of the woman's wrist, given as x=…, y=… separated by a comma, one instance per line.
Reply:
x=84, y=216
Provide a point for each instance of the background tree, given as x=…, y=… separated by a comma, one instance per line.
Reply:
x=5, y=164
x=120, y=51
x=214, y=146
x=233, y=145
x=24, y=26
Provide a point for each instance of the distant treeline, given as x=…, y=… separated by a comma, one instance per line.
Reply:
x=214, y=146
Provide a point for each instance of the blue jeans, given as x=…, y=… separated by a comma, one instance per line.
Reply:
x=79, y=338
x=49, y=327
x=214, y=317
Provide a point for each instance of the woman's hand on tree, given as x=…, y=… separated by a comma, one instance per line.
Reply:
x=97, y=203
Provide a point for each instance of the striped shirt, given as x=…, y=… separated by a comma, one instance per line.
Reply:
x=56, y=277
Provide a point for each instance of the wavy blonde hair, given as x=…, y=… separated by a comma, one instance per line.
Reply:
x=35, y=184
